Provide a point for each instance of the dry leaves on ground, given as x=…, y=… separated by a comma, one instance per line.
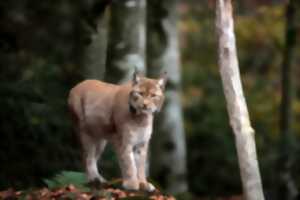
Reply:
x=71, y=192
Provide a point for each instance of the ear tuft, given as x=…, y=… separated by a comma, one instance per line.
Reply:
x=136, y=76
x=162, y=80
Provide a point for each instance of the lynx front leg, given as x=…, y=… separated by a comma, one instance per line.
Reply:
x=128, y=167
x=140, y=152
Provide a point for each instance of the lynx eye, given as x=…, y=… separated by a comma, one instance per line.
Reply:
x=153, y=95
x=142, y=93
x=139, y=93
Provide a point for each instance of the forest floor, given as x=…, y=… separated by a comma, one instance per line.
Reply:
x=70, y=192
x=60, y=188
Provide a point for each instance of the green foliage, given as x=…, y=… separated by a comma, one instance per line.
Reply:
x=41, y=56
x=212, y=159
x=31, y=128
x=65, y=178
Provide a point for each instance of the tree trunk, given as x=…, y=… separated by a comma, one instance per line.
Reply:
x=236, y=105
x=168, y=148
x=95, y=53
x=126, y=47
x=286, y=186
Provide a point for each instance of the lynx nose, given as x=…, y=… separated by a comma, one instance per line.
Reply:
x=146, y=104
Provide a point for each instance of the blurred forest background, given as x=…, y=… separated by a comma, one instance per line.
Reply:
x=46, y=47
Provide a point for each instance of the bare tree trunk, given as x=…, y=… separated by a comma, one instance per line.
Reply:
x=286, y=186
x=96, y=37
x=168, y=148
x=236, y=105
x=126, y=46
x=95, y=53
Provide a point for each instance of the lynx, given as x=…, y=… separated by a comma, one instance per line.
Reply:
x=121, y=115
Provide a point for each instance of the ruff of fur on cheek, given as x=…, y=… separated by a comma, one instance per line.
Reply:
x=132, y=109
x=140, y=118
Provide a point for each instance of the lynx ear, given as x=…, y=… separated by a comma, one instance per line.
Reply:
x=160, y=104
x=162, y=80
x=136, y=76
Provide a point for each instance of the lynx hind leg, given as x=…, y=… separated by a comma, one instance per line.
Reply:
x=100, y=146
x=91, y=153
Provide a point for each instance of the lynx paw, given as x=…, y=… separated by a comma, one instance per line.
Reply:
x=96, y=178
x=102, y=179
x=146, y=186
x=96, y=182
x=131, y=184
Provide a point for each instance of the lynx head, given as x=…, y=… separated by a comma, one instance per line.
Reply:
x=147, y=95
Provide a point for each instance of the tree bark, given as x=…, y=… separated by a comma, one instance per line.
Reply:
x=126, y=47
x=95, y=53
x=286, y=186
x=236, y=105
x=168, y=147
